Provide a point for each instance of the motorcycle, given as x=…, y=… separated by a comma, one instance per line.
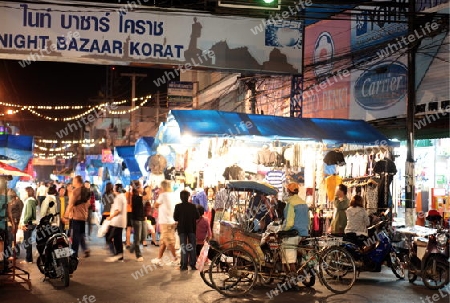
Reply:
x=428, y=258
x=376, y=250
x=56, y=260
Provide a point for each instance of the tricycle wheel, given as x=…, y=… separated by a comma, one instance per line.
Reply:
x=233, y=272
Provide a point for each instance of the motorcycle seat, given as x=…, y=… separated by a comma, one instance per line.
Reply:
x=368, y=248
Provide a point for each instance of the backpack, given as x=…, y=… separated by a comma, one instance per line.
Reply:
x=85, y=196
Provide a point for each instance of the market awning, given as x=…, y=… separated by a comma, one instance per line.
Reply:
x=209, y=123
x=143, y=146
x=127, y=154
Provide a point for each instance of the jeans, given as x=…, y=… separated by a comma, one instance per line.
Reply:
x=140, y=234
x=114, y=239
x=78, y=234
x=188, y=248
x=28, y=243
x=89, y=221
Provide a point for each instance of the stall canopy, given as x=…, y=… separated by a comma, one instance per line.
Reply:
x=18, y=148
x=127, y=154
x=142, y=151
x=208, y=123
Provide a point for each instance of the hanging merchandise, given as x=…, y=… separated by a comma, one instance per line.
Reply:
x=276, y=178
x=371, y=197
x=332, y=182
x=234, y=172
x=386, y=169
x=334, y=158
x=201, y=199
x=266, y=156
x=156, y=164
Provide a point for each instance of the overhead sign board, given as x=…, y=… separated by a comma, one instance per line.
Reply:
x=97, y=35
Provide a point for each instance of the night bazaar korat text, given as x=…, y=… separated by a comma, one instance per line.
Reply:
x=92, y=45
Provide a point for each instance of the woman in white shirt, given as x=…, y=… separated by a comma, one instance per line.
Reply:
x=118, y=217
x=357, y=221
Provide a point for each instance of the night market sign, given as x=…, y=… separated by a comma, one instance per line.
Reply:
x=99, y=35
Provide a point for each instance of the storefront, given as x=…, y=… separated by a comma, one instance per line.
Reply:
x=432, y=178
x=213, y=147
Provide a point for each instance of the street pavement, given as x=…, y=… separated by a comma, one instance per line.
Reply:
x=98, y=281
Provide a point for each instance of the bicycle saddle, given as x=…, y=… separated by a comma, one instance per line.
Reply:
x=288, y=233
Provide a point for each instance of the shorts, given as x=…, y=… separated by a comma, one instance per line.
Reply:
x=129, y=220
x=290, y=249
x=167, y=234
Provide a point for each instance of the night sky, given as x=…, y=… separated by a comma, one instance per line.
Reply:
x=52, y=83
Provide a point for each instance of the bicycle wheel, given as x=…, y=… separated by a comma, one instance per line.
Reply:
x=337, y=269
x=233, y=272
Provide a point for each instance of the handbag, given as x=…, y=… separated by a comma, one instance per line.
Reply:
x=150, y=227
x=202, y=257
x=19, y=235
x=103, y=228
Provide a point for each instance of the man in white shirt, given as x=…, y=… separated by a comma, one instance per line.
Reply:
x=118, y=217
x=41, y=192
x=166, y=205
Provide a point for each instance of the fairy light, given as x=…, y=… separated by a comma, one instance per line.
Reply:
x=89, y=108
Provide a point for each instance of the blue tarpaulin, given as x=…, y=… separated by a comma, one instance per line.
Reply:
x=127, y=154
x=20, y=149
x=208, y=123
x=142, y=151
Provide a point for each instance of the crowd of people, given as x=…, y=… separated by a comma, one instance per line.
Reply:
x=140, y=214
x=169, y=220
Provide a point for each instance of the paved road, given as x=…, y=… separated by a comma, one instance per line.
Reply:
x=98, y=281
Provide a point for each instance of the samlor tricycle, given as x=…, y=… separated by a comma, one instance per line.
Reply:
x=241, y=257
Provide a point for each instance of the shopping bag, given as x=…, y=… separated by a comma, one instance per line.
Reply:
x=94, y=219
x=19, y=235
x=203, y=257
x=103, y=229
x=150, y=227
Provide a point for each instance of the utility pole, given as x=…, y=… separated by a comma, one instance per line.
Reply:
x=133, y=97
x=251, y=85
x=157, y=109
x=410, y=114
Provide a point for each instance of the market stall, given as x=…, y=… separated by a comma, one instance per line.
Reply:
x=214, y=147
x=143, y=151
x=124, y=155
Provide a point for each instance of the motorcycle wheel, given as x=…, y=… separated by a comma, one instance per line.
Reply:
x=396, y=266
x=40, y=265
x=411, y=277
x=65, y=277
x=438, y=279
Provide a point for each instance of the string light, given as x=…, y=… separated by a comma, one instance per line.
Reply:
x=70, y=142
x=90, y=108
x=63, y=107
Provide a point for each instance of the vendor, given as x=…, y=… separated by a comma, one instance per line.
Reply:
x=296, y=214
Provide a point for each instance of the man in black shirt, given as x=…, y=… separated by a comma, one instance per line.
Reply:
x=186, y=216
x=138, y=218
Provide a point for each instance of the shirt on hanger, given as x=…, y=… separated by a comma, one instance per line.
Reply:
x=332, y=182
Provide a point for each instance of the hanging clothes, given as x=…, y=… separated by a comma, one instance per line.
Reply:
x=234, y=172
x=334, y=157
x=371, y=198
x=201, y=199
x=386, y=169
x=276, y=178
x=157, y=164
x=332, y=182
